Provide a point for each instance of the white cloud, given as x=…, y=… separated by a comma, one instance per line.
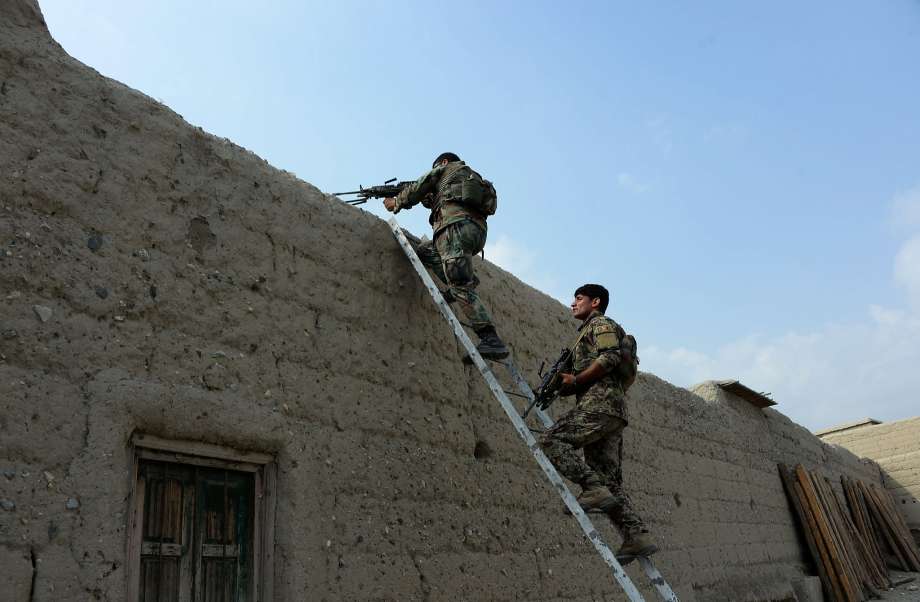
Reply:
x=834, y=373
x=510, y=255
x=907, y=270
x=629, y=182
x=828, y=376
x=905, y=209
x=521, y=261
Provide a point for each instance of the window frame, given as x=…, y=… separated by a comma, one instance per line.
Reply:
x=195, y=453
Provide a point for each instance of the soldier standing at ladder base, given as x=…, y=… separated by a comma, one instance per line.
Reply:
x=460, y=201
x=604, y=365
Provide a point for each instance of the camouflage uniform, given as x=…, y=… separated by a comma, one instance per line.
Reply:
x=459, y=234
x=596, y=422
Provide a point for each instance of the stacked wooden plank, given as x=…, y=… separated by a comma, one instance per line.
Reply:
x=874, y=512
x=850, y=568
x=862, y=518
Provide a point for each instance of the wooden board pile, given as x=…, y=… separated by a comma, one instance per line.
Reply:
x=875, y=514
x=851, y=568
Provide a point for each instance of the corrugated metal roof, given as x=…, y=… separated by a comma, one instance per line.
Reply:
x=848, y=426
x=759, y=400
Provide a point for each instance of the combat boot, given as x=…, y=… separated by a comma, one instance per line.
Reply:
x=490, y=346
x=637, y=544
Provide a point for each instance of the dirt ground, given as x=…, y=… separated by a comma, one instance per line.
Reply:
x=906, y=592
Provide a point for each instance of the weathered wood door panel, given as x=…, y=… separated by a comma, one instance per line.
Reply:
x=197, y=534
x=224, y=533
x=169, y=499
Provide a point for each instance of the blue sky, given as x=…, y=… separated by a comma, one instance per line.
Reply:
x=744, y=177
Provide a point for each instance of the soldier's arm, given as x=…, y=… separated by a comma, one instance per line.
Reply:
x=411, y=195
x=605, y=340
x=607, y=343
x=584, y=379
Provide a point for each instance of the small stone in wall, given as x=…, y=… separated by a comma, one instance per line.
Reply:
x=143, y=254
x=216, y=377
x=10, y=333
x=8, y=505
x=43, y=312
x=72, y=503
x=9, y=473
x=102, y=292
x=94, y=243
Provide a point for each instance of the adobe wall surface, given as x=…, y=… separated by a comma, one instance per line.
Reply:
x=895, y=446
x=197, y=293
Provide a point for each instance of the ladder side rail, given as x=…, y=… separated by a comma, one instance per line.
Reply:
x=548, y=469
x=524, y=388
x=654, y=575
x=657, y=580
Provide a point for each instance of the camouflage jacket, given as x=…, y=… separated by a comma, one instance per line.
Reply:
x=439, y=190
x=599, y=339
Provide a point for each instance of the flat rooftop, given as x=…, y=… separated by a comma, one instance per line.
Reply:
x=848, y=426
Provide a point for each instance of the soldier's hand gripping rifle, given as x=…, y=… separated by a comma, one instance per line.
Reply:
x=385, y=190
x=550, y=383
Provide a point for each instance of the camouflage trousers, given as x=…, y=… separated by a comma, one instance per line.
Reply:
x=600, y=436
x=450, y=257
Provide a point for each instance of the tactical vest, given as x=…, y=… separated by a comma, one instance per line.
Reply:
x=460, y=184
x=616, y=338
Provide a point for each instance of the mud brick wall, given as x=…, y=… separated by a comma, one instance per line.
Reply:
x=157, y=279
x=895, y=446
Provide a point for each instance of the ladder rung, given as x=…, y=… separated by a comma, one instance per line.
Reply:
x=515, y=394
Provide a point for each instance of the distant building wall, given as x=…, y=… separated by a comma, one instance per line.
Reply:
x=198, y=294
x=895, y=446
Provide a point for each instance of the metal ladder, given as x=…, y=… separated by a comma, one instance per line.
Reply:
x=661, y=586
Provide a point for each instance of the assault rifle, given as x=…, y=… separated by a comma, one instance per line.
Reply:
x=385, y=190
x=550, y=383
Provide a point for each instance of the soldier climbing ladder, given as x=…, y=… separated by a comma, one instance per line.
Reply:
x=655, y=577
